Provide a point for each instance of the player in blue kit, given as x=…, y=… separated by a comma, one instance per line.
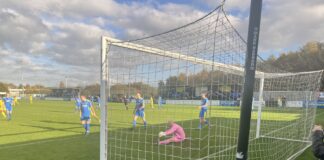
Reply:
x=98, y=102
x=139, y=109
x=203, y=110
x=77, y=104
x=86, y=110
x=8, y=101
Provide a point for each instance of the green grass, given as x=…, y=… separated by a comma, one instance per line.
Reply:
x=49, y=130
x=308, y=154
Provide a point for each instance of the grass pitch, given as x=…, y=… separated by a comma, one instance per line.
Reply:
x=49, y=130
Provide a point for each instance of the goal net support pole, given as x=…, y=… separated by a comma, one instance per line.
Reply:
x=250, y=67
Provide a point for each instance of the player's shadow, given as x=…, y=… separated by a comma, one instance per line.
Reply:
x=68, y=123
x=65, y=147
x=47, y=129
x=61, y=112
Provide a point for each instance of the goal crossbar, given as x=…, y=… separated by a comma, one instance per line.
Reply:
x=217, y=66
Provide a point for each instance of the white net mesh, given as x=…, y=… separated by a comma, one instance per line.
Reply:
x=172, y=69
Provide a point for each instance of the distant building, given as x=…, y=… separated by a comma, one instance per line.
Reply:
x=313, y=47
x=199, y=90
x=16, y=92
x=322, y=46
x=65, y=93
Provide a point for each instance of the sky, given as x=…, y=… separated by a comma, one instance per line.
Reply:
x=48, y=41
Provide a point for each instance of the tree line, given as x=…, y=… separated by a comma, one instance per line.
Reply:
x=309, y=57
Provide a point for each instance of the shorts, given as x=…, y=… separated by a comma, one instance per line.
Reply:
x=84, y=118
x=140, y=113
x=202, y=112
x=9, y=109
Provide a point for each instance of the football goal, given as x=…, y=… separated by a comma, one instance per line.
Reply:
x=170, y=76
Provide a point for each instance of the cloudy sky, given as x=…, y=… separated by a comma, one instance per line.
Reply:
x=44, y=41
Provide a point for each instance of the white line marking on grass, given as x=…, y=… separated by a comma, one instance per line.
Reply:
x=280, y=128
x=224, y=150
x=287, y=139
x=299, y=152
x=234, y=146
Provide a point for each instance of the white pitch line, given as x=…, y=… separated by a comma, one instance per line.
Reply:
x=299, y=152
x=287, y=139
x=280, y=128
x=224, y=150
x=234, y=146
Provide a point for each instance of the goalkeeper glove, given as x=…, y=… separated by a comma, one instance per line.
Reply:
x=161, y=134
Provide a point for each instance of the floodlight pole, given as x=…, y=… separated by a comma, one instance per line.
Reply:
x=250, y=66
x=103, y=99
x=66, y=82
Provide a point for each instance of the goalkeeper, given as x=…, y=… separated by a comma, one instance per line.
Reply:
x=177, y=132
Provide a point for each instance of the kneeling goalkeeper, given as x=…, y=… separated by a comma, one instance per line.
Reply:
x=177, y=131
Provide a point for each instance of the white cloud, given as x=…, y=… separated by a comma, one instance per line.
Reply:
x=66, y=34
x=139, y=20
x=20, y=31
x=291, y=23
x=284, y=24
x=240, y=5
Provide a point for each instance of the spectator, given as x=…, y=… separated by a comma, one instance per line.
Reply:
x=318, y=145
x=283, y=101
x=279, y=102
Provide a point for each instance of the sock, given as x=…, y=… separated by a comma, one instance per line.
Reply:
x=145, y=123
x=88, y=127
x=85, y=126
x=134, y=123
x=199, y=125
x=206, y=121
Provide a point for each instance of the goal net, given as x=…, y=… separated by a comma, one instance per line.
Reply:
x=173, y=69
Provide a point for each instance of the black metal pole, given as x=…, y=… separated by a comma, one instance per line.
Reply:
x=250, y=65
